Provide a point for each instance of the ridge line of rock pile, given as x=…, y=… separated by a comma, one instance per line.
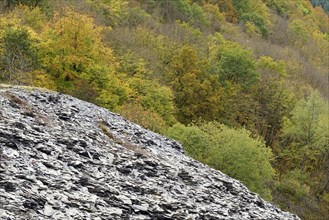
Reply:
x=62, y=158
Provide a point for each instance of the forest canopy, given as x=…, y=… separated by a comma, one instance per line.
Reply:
x=243, y=85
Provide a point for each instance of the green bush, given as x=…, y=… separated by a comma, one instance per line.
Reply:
x=234, y=152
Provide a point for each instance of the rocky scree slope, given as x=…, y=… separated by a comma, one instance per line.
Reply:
x=62, y=158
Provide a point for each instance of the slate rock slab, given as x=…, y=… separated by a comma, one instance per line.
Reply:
x=62, y=158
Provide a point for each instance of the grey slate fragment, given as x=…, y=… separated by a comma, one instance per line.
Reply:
x=62, y=158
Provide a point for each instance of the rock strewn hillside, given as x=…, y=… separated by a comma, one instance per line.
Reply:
x=62, y=158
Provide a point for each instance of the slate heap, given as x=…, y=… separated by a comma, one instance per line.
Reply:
x=62, y=158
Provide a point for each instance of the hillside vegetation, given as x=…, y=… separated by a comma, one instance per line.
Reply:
x=243, y=85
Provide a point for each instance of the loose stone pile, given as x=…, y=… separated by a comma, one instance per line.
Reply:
x=62, y=158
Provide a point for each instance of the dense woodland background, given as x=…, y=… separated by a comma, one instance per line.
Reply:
x=242, y=84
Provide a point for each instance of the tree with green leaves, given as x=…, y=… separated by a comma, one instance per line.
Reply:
x=196, y=142
x=274, y=100
x=111, y=12
x=304, y=158
x=238, y=67
x=257, y=20
x=19, y=56
x=280, y=6
x=231, y=62
x=234, y=152
x=152, y=96
x=75, y=57
x=196, y=93
x=305, y=134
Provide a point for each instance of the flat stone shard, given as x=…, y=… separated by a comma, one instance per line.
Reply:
x=62, y=158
